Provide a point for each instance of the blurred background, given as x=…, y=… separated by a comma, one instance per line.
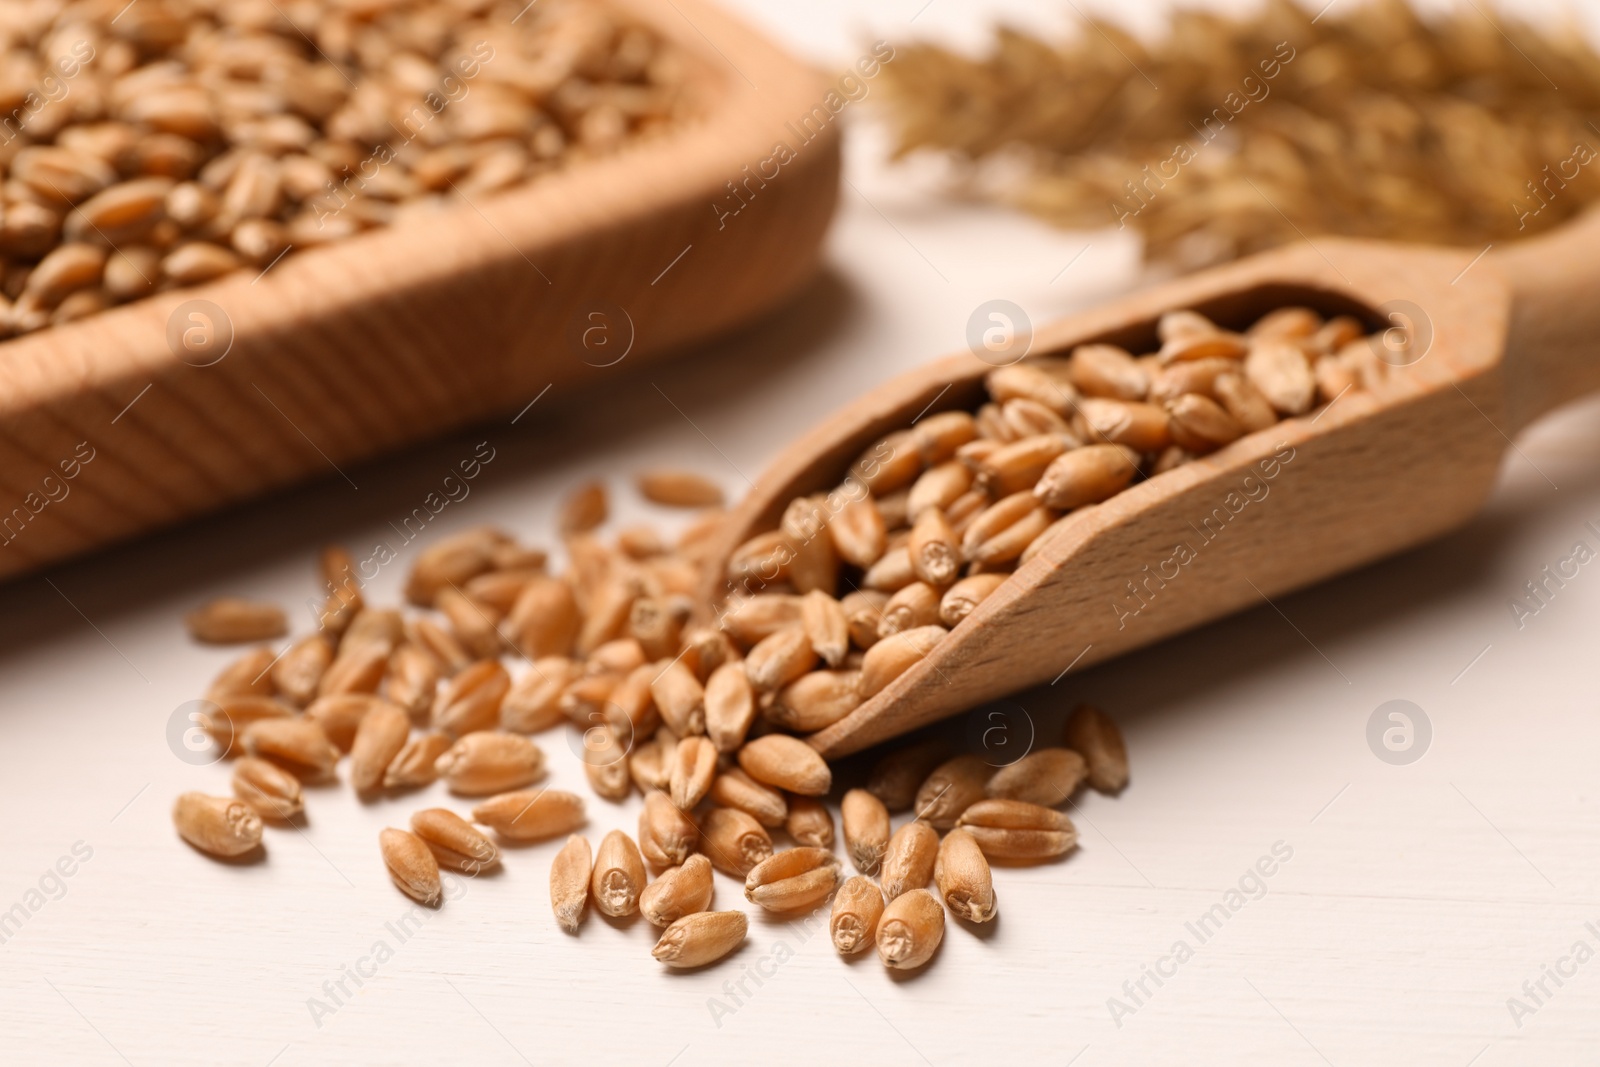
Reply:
x=1425, y=902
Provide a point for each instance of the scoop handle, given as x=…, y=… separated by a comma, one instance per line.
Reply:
x=1553, y=348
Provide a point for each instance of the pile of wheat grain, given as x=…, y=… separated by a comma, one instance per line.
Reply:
x=158, y=144
x=820, y=615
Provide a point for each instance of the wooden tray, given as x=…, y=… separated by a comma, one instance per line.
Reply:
x=346, y=351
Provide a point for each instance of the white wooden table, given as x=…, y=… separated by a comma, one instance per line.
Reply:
x=1406, y=909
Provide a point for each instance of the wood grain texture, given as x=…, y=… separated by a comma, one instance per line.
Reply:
x=1278, y=510
x=1553, y=351
x=346, y=351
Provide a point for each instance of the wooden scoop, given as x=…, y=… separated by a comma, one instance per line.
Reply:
x=1492, y=343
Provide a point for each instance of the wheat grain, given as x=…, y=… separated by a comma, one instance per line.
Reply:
x=702, y=938
x=454, y=842
x=379, y=739
x=248, y=676
x=951, y=788
x=412, y=679
x=735, y=789
x=531, y=815
x=815, y=700
x=786, y=763
x=866, y=829
x=909, y=859
x=667, y=834
x=857, y=908
x=798, y=879
x=300, y=743
x=471, y=700
x=229, y=620
x=415, y=764
x=411, y=866
x=570, y=874
x=618, y=875
x=1047, y=776
x=271, y=791
x=490, y=761
x=221, y=826
x=679, y=489
x=900, y=772
x=531, y=704
x=809, y=822
x=910, y=929
x=1018, y=831
x=298, y=672
x=1094, y=735
x=733, y=841
x=965, y=882
x=679, y=891
x=694, y=764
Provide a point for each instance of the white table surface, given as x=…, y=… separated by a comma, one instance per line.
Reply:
x=1418, y=898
